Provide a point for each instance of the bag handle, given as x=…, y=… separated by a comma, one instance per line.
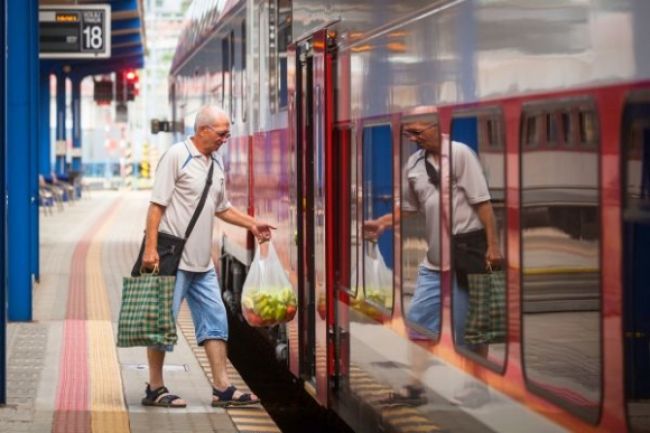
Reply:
x=155, y=271
x=199, y=208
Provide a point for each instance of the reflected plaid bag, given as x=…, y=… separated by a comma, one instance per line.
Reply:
x=486, y=319
x=146, y=317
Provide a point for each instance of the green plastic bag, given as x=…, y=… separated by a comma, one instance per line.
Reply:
x=146, y=317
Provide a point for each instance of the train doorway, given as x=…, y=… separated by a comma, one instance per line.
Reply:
x=636, y=258
x=313, y=107
x=305, y=237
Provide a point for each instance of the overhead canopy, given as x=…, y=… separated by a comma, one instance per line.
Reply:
x=127, y=39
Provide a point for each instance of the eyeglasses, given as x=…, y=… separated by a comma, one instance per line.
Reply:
x=222, y=134
x=416, y=133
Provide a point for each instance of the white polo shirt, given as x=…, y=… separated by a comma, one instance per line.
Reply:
x=469, y=188
x=178, y=184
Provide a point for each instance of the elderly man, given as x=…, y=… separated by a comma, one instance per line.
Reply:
x=473, y=228
x=179, y=182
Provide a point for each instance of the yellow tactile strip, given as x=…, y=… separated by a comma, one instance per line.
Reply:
x=107, y=406
x=247, y=419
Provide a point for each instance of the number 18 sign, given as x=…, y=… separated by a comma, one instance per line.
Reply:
x=73, y=32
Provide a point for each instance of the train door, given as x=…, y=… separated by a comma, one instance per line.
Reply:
x=312, y=114
x=636, y=257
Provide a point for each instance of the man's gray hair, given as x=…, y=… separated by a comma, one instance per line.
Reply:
x=207, y=115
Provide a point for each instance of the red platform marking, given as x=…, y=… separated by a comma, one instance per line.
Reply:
x=72, y=406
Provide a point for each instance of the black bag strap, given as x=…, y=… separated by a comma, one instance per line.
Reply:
x=199, y=208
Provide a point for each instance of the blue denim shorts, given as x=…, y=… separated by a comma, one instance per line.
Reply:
x=424, y=310
x=201, y=289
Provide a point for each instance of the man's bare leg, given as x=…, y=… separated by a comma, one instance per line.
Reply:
x=156, y=359
x=216, y=350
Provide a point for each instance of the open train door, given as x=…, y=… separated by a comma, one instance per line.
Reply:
x=311, y=116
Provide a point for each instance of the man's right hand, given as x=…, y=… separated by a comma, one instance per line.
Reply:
x=150, y=259
x=372, y=229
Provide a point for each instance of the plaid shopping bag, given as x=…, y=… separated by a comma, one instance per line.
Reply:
x=146, y=317
x=486, y=319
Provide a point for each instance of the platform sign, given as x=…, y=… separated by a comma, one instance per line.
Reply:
x=74, y=32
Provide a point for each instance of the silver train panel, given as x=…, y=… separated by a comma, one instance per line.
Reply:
x=462, y=51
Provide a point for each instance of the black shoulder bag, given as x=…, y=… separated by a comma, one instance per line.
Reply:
x=170, y=247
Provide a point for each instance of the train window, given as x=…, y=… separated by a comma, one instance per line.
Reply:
x=587, y=128
x=531, y=131
x=272, y=54
x=279, y=40
x=231, y=73
x=552, y=129
x=225, y=73
x=243, y=81
x=420, y=228
x=492, y=133
x=284, y=40
x=636, y=259
x=376, y=258
x=560, y=264
x=355, y=218
x=477, y=172
x=567, y=129
x=260, y=51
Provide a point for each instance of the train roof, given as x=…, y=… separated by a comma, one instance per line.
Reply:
x=202, y=17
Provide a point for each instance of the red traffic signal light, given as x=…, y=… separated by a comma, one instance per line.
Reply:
x=132, y=84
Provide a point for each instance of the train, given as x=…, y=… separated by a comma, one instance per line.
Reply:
x=553, y=98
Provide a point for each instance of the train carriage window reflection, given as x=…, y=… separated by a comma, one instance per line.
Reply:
x=420, y=226
x=478, y=236
x=552, y=129
x=532, y=131
x=588, y=132
x=567, y=130
x=560, y=264
x=376, y=255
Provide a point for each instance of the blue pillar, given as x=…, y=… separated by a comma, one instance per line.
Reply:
x=3, y=210
x=44, y=150
x=76, y=123
x=22, y=63
x=60, y=123
x=34, y=96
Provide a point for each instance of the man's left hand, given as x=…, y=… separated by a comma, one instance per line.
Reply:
x=262, y=231
x=493, y=257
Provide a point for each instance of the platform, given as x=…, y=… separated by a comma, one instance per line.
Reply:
x=65, y=373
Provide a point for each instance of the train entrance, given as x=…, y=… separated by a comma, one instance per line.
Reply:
x=313, y=157
x=306, y=186
x=636, y=258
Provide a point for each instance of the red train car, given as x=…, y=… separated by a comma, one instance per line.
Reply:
x=553, y=98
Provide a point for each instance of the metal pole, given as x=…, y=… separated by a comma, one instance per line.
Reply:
x=45, y=151
x=76, y=123
x=60, y=123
